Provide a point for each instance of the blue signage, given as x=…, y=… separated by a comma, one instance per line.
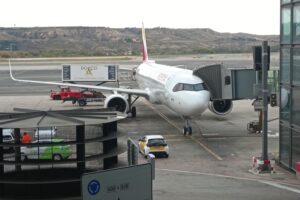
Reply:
x=93, y=187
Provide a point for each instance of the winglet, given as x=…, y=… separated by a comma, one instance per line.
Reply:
x=145, y=53
x=10, y=71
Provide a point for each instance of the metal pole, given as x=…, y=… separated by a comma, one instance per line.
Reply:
x=151, y=160
x=265, y=99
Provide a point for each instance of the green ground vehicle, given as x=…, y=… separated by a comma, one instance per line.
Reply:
x=55, y=152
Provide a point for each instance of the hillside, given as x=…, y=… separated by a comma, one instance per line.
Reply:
x=98, y=41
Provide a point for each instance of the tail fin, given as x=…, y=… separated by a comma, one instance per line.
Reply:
x=145, y=52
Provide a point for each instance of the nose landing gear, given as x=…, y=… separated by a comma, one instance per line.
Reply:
x=187, y=129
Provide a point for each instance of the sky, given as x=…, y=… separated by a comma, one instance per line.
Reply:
x=248, y=16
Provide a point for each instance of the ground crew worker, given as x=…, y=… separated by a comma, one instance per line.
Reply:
x=26, y=139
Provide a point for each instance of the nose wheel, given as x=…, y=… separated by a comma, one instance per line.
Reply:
x=187, y=129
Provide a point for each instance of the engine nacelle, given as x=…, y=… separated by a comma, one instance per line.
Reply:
x=220, y=107
x=118, y=102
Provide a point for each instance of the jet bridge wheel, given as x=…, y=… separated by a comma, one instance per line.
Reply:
x=187, y=130
x=190, y=130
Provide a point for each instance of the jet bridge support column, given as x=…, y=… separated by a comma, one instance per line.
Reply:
x=266, y=166
x=262, y=163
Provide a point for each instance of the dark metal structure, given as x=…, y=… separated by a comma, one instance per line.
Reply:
x=37, y=178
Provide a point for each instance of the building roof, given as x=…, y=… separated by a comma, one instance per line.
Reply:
x=26, y=118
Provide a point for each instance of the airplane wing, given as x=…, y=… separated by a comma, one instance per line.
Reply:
x=137, y=92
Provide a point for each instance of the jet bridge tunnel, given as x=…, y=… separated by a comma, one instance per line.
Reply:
x=227, y=84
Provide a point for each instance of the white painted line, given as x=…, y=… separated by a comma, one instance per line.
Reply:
x=176, y=140
x=278, y=185
x=172, y=135
x=276, y=135
x=133, y=133
x=281, y=186
x=218, y=138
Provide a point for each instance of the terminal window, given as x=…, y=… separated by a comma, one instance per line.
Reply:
x=285, y=1
x=285, y=65
x=296, y=66
x=285, y=104
x=296, y=24
x=286, y=25
x=285, y=145
x=296, y=106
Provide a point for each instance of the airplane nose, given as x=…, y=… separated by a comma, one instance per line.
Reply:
x=196, y=103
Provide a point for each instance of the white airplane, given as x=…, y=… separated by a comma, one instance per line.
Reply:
x=178, y=89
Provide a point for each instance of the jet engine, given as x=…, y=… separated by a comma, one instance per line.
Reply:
x=118, y=102
x=220, y=107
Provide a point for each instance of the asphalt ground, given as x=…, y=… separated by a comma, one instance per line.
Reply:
x=214, y=163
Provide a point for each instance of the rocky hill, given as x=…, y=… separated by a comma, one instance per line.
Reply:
x=98, y=41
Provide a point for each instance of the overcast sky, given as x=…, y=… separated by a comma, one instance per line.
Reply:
x=249, y=16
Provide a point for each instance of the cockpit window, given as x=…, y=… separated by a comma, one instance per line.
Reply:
x=200, y=86
x=189, y=87
x=178, y=87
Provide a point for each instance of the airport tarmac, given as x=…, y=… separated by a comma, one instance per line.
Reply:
x=213, y=163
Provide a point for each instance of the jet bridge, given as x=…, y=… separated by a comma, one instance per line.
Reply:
x=227, y=83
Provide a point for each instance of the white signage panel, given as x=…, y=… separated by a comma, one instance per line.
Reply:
x=134, y=182
x=87, y=72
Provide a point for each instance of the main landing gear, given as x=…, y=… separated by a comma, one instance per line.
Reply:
x=132, y=109
x=133, y=112
x=187, y=129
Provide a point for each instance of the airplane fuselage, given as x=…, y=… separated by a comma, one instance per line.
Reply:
x=176, y=88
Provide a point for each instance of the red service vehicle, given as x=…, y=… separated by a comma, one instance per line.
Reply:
x=68, y=93
x=80, y=97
